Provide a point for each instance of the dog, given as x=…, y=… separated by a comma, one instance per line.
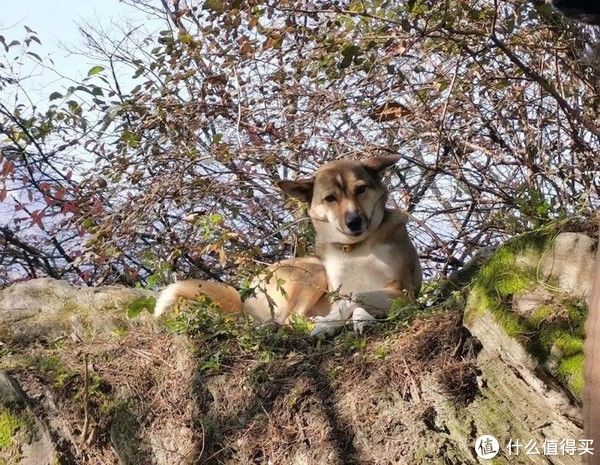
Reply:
x=364, y=256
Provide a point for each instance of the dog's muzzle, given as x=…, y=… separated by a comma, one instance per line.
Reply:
x=355, y=222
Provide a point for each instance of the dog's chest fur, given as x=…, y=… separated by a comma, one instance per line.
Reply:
x=367, y=268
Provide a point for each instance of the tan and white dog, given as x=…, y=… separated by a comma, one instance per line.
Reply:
x=364, y=261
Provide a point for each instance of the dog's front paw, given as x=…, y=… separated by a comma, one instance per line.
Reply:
x=323, y=327
x=361, y=319
x=342, y=309
x=340, y=312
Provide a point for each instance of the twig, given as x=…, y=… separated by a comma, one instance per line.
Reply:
x=239, y=115
x=86, y=398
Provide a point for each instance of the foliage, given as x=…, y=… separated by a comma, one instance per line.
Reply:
x=9, y=424
x=137, y=306
x=490, y=104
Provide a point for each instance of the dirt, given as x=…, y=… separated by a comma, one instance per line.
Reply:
x=152, y=397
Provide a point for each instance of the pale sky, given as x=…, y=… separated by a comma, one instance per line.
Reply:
x=56, y=25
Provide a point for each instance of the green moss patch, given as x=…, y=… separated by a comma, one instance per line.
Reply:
x=56, y=372
x=10, y=423
x=553, y=332
x=571, y=370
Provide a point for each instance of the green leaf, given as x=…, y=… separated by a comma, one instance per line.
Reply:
x=36, y=56
x=215, y=5
x=137, y=306
x=349, y=52
x=215, y=218
x=131, y=139
x=95, y=70
x=55, y=95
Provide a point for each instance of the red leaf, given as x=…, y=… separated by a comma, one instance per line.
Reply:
x=8, y=167
x=69, y=207
x=36, y=218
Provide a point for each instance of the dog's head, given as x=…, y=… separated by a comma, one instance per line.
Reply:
x=347, y=197
x=587, y=11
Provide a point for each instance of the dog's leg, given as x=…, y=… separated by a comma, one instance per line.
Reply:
x=340, y=312
x=378, y=303
x=363, y=308
x=361, y=319
x=372, y=304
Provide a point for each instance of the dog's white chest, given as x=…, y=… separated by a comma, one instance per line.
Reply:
x=351, y=272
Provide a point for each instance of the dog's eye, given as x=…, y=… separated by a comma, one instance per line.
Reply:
x=330, y=198
x=361, y=189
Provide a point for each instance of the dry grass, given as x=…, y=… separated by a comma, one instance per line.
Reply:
x=235, y=395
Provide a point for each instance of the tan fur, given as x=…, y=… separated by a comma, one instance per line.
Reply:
x=225, y=296
x=301, y=289
x=374, y=265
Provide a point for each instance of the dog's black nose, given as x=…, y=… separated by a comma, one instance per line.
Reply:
x=354, y=222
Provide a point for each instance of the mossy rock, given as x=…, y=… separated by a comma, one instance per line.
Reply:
x=24, y=439
x=536, y=303
x=48, y=309
x=10, y=425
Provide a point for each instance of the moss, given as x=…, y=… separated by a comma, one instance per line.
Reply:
x=553, y=333
x=6, y=334
x=503, y=277
x=120, y=332
x=10, y=423
x=481, y=301
x=568, y=344
x=63, y=318
x=577, y=312
x=571, y=371
x=381, y=353
x=478, y=303
x=59, y=374
x=487, y=415
x=540, y=315
x=512, y=283
x=512, y=324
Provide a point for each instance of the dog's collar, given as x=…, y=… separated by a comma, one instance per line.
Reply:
x=347, y=247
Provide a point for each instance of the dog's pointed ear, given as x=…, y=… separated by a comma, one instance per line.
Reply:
x=301, y=189
x=378, y=164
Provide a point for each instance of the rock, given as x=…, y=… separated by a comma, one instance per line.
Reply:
x=26, y=439
x=124, y=436
x=11, y=394
x=527, y=307
x=523, y=294
x=524, y=304
x=172, y=442
x=571, y=261
x=50, y=309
